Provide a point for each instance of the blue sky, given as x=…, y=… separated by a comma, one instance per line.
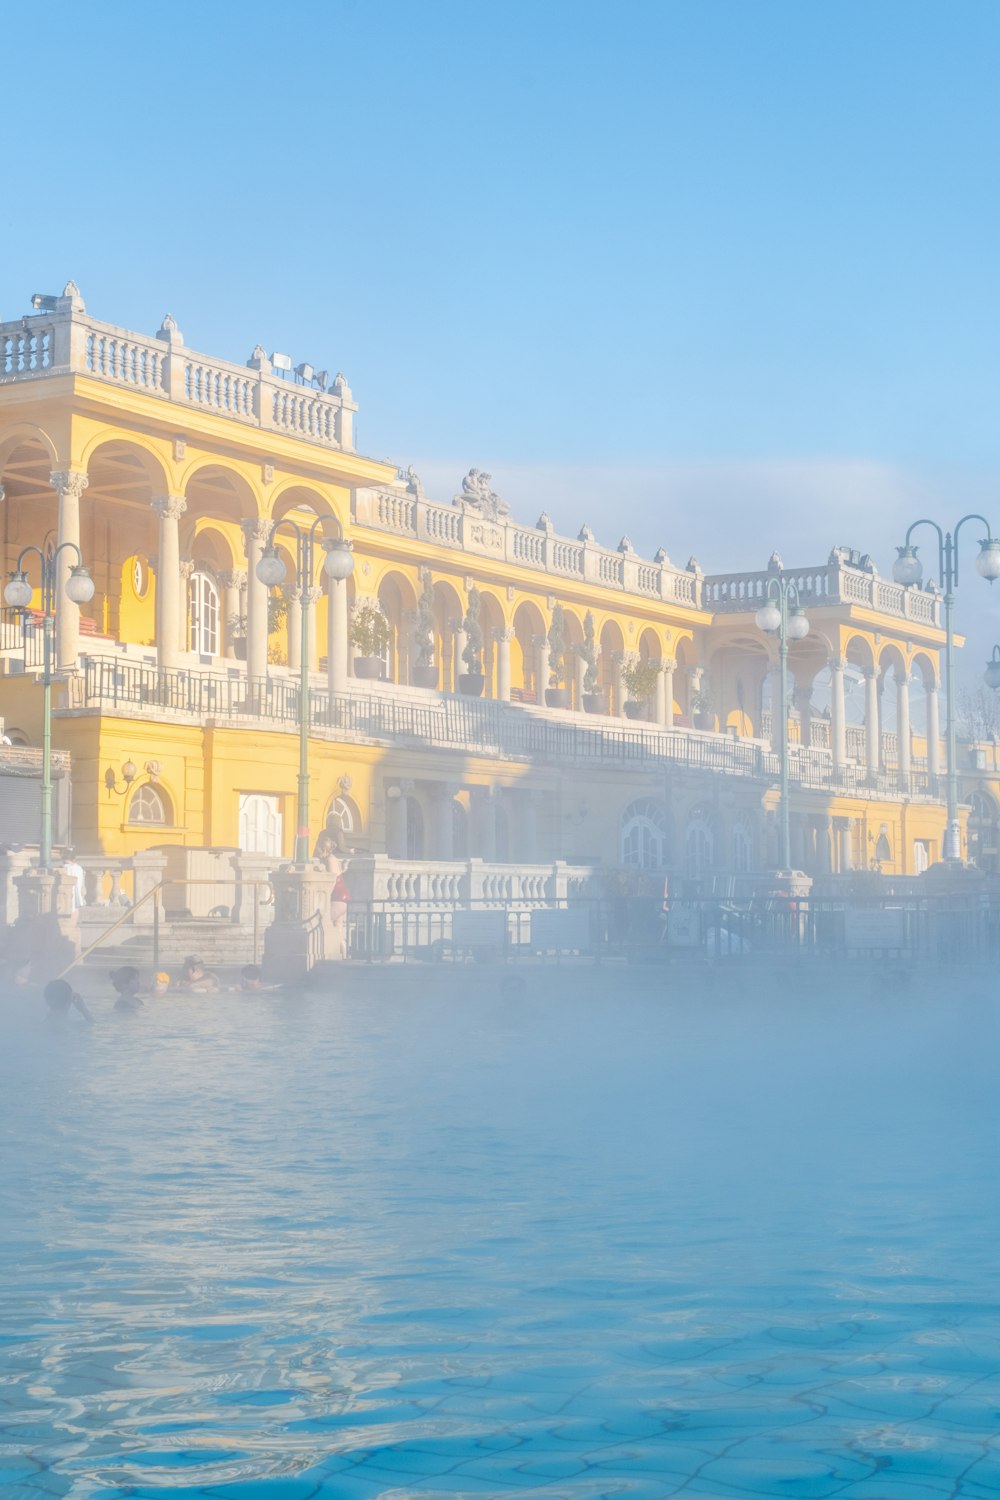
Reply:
x=719, y=274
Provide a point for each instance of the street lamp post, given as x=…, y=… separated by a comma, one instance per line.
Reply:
x=907, y=570
x=339, y=564
x=17, y=593
x=782, y=614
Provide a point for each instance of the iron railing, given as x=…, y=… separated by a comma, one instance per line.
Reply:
x=484, y=725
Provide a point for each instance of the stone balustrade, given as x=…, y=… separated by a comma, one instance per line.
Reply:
x=71, y=342
x=468, y=530
x=470, y=883
x=839, y=582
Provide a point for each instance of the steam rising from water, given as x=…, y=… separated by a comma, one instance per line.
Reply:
x=628, y=1232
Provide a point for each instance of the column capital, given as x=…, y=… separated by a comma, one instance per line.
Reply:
x=504, y=633
x=71, y=482
x=255, y=529
x=186, y=567
x=233, y=578
x=291, y=592
x=311, y=594
x=539, y=641
x=837, y=663
x=444, y=791
x=169, y=507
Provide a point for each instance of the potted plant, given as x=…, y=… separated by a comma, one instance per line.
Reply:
x=593, y=699
x=639, y=679
x=472, y=682
x=237, y=626
x=703, y=707
x=424, y=672
x=370, y=634
x=557, y=693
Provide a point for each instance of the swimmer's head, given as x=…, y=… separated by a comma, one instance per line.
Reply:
x=58, y=995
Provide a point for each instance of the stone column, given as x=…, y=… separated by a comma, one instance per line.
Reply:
x=694, y=678
x=232, y=584
x=69, y=485
x=397, y=819
x=846, y=845
x=579, y=673
x=824, y=844
x=873, y=728
x=660, y=696
x=541, y=644
x=292, y=595
x=617, y=685
x=405, y=648
x=503, y=639
x=443, y=823
x=255, y=534
x=798, y=842
x=169, y=615
x=803, y=706
x=903, y=728
x=669, y=668
x=838, y=713
x=336, y=635
x=933, y=734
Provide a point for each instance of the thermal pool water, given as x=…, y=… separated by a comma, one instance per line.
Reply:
x=623, y=1235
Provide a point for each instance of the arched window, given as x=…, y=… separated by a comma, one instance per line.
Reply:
x=743, y=846
x=644, y=836
x=203, y=615
x=343, y=823
x=148, y=804
x=699, y=843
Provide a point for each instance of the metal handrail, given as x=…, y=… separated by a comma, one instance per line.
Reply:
x=155, y=891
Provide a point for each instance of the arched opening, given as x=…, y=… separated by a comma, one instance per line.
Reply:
x=612, y=647
x=645, y=835
x=529, y=630
x=398, y=601
x=491, y=620
x=448, y=616
x=744, y=846
x=699, y=843
x=149, y=804
x=343, y=823
x=116, y=521
x=260, y=824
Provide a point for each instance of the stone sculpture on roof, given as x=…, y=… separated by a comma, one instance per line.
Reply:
x=478, y=494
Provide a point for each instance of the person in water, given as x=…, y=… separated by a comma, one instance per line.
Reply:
x=250, y=980
x=126, y=984
x=196, y=979
x=61, y=998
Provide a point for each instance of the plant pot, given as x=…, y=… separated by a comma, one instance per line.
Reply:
x=557, y=697
x=471, y=684
x=635, y=710
x=425, y=676
x=369, y=667
x=704, y=721
x=240, y=648
x=594, y=703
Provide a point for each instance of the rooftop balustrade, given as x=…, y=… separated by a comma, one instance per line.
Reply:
x=69, y=342
x=838, y=582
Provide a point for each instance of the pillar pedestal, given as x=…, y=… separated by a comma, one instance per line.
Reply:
x=303, y=932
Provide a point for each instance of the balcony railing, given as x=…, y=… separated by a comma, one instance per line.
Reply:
x=483, y=725
x=839, y=582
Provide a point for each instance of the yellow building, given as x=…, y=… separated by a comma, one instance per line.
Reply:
x=169, y=470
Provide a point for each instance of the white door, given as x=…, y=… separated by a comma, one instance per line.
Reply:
x=203, y=615
x=260, y=824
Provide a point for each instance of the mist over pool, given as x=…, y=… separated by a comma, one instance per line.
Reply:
x=622, y=1234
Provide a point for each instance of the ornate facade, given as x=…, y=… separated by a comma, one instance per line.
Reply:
x=169, y=470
